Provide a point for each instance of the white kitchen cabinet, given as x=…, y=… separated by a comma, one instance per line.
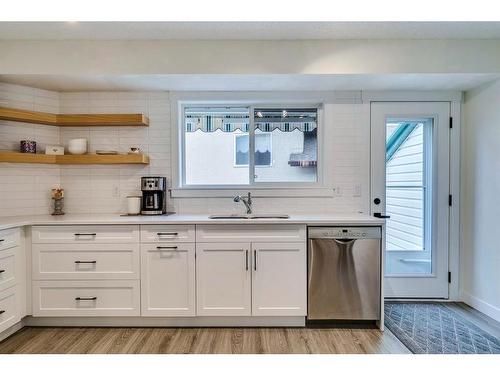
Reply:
x=8, y=260
x=251, y=233
x=85, y=234
x=9, y=309
x=85, y=261
x=12, y=278
x=223, y=279
x=279, y=279
x=168, y=279
x=167, y=233
x=86, y=298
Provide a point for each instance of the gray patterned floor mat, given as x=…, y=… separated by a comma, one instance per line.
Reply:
x=433, y=328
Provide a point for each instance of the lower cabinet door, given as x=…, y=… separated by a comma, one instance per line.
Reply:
x=223, y=281
x=168, y=279
x=86, y=298
x=9, y=313
x=279, y=279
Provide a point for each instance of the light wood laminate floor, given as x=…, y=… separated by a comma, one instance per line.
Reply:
x=36, y=340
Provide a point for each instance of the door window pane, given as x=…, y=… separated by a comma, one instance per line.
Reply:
x=407, y=198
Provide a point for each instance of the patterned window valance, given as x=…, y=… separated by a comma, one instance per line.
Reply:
x=267, y=120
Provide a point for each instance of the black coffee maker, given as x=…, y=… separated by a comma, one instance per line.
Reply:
x=154, y=195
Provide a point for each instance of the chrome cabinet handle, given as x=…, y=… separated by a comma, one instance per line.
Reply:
x=166, y=247
x=85, y=298
x=167, y=234
x=246, y=260
x=85, y=261
x=85, y=234
x=2, y=271
x=255, y=260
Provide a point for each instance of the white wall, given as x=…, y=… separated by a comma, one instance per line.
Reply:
x=104, y=188
x=480, y=216
x=25, y=188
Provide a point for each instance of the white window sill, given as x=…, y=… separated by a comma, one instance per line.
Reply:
x=284, y=192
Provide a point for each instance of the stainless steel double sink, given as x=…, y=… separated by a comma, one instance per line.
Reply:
x=249, y=216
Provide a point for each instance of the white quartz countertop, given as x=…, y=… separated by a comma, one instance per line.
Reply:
x=105, y=219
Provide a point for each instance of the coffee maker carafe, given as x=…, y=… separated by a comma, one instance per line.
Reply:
x=154, y=195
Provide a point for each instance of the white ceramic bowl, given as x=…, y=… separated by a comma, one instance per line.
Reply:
x=77, y=146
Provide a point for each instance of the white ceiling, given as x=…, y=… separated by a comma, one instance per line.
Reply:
x=249, y=30
x=228, y=82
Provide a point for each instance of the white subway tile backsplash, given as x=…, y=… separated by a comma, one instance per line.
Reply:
x=92, y=189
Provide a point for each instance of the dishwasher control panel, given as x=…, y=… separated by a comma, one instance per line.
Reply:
x=345, y=232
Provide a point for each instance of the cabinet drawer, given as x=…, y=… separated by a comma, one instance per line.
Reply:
x=9, y=314
x=9, y=238
x=251, y=233
x=86, y=298
x=167, y=233
x=86, y=234
x=8, y=268
x=85, y=261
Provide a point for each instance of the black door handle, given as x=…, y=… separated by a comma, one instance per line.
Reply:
x=380, y=216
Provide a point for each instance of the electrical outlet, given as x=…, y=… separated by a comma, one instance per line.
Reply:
x=357, y=191
x=337, y=191
x=116, y=191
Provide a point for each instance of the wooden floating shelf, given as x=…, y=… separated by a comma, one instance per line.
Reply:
x=18, y=157
x=125, y=119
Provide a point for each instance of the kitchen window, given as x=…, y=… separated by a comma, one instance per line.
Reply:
x=247, y=146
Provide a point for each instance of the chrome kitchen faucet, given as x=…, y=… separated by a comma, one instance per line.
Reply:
x=246, y=201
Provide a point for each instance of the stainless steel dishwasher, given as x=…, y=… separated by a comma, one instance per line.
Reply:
x=344, y=273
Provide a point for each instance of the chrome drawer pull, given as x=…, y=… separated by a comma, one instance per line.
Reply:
x=2, y=271
x=2, y=311
x=85, y=234
x=86, y=298
x=167, y=234
x=166, y=247
x=85, y=261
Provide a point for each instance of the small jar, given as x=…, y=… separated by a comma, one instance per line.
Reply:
x=28, y=147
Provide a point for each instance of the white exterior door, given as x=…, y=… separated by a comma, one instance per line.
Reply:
x=168, y=279
x=410, y=183
x=279, y=279
x=223, y=279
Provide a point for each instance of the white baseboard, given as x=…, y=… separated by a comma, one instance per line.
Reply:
x=480, y=305
x=199, y=321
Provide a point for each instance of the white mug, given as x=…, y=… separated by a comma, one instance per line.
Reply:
x=134, y=204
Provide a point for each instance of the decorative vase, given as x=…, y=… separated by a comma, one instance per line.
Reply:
x=58, y=206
